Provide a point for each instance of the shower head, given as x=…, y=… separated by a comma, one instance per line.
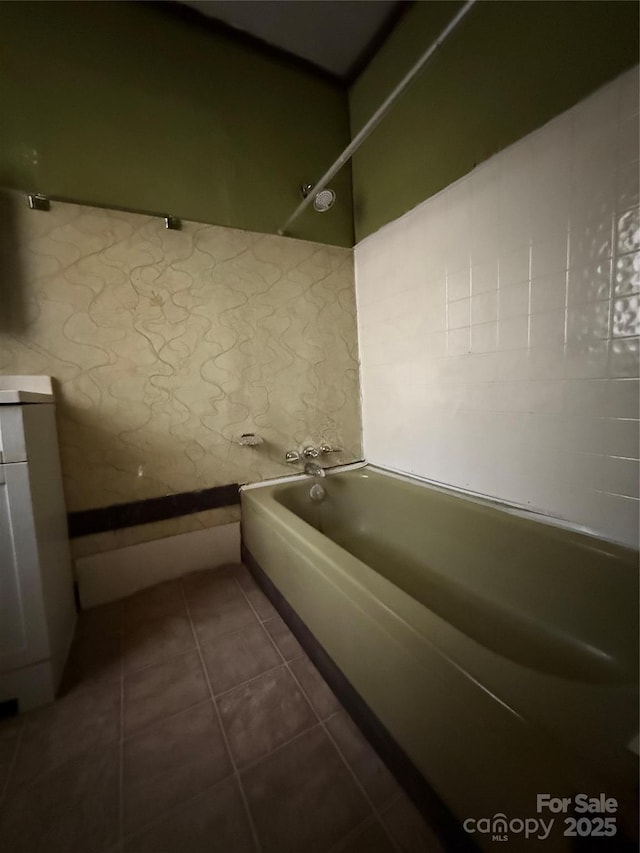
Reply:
x=322, y=201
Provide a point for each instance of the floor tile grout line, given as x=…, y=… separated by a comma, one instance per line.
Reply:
x=207, y=646
x=253, y=678
x=372, y=806
x=184, y=652
x=339, y=846
x=375, y=810
x=322, y=722
x=244, y=768
x=163, y=719
x=14, y=761
x=187, y=651
x=252, y=826
x=157, y=821
x=392, y=799
x=40, y=775
x=159, y=720
x=158, y=662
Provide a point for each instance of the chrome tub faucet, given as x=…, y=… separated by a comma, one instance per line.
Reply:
x=312, y=469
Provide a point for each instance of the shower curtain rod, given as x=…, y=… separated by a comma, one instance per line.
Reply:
x=380, y=113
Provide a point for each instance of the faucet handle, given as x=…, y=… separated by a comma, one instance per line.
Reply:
x=291, y=456
x=311, y=453
x=326, y=448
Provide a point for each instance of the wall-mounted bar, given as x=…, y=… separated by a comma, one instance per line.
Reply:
x=377, y=117
x=40, y=201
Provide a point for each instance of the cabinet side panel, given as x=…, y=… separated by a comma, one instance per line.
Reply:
x=12, y=628
x=50, y=520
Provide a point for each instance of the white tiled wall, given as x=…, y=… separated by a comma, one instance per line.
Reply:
x=499, y=323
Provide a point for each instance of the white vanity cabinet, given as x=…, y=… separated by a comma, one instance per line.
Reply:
x=37, y=610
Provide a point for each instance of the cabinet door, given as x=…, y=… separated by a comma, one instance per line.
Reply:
x=23, y=635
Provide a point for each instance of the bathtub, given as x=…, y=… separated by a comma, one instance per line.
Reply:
x=500, y=653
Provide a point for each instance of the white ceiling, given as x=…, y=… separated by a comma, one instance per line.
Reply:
x=332, y=34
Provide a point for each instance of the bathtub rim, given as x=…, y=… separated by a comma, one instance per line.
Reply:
x=298, y=476
x=490, y=501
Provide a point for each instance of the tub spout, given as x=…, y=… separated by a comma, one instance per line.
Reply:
x=313, y=469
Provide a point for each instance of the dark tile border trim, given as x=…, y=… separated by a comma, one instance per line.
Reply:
x=114, y=517
x=439, y=817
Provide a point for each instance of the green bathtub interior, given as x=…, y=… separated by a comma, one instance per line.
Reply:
x=555, y=601
x=500, y=652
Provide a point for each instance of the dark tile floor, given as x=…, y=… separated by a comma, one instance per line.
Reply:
x=190, y=720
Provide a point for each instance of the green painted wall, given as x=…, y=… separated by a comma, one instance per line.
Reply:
x=509, y=68
x=122, y=104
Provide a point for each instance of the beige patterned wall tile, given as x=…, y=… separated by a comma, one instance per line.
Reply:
x=167, y=345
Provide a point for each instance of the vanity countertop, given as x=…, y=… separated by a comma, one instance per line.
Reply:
x=26, y=389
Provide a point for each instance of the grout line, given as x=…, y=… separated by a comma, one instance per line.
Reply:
x=161, y=818
x=149, y=725
x=159, y=662
x=376, y=811
x=248, y=681
x=135, y=732
x=172, y=657
x=322, y=722
x=160, y=720
x=14, y=761
x=192, y=648
x=256, y=839
x=254, y=763
x=339, y=846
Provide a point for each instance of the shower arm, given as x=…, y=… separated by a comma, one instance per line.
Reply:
x=380, y=113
